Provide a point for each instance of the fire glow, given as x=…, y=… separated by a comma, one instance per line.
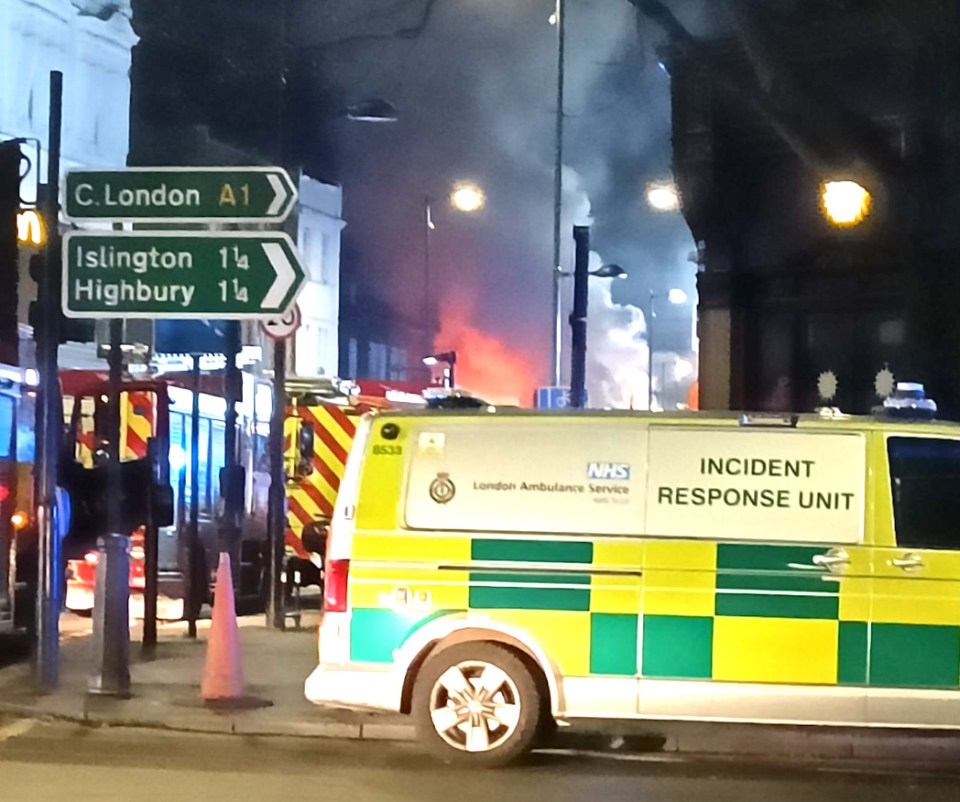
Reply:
x=487, y=366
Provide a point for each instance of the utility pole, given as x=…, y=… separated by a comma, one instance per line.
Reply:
x=50, y=416
x=578, y=318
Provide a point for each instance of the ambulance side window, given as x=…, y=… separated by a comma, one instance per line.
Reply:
x=925, y=482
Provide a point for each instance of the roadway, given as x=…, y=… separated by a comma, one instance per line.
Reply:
x=42, y=761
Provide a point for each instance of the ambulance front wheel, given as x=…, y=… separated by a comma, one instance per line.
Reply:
x=476, y=704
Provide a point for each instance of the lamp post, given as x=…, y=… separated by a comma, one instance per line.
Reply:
x=578, y=317
x=448, y=358
x=675, y=296
x=464, y=197
x=558, y=19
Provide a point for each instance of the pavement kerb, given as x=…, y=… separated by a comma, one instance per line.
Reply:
x=226, y=725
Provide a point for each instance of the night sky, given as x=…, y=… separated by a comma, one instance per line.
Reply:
x=476, y=93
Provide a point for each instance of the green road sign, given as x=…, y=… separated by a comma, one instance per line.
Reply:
x=166, y=274
x=180, y=194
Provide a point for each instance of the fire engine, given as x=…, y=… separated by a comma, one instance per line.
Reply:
x=319, y=427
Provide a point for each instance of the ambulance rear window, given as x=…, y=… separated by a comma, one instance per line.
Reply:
x=925, y=482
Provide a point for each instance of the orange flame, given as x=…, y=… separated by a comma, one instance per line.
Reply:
x=486, y=366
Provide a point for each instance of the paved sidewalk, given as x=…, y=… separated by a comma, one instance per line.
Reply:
x=165, y=692
x=166, y=695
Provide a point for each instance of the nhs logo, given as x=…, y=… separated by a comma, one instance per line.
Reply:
x=608, y=470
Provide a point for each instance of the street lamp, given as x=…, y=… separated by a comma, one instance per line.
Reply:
x=675, y=296
x=578, y=317
x=465, y=197
x=663, y=196
x=845, y=203
x=558, y=18
x=448, y=358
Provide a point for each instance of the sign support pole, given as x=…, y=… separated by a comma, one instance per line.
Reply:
x=276, y=515
x=232, y=471
x=111, y=613
x=196, y=575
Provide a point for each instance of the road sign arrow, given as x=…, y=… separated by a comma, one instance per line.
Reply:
x=175, y=275
x=286, y=275
x=280, y=195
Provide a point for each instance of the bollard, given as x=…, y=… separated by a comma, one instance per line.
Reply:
x=111, y=618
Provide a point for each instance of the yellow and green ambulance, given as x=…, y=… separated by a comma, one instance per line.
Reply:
x=490, y=572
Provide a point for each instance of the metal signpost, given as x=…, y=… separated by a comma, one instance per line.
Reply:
x=206, y=274
x=180, y=275
x=180, y=195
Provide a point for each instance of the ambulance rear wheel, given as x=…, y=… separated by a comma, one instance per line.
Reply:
x=476, y=704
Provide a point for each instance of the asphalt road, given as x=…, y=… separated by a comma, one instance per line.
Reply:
x=57, y=761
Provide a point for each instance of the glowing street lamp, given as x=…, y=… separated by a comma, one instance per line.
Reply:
x=663, y=197
x=467, y=198
x=845, y=203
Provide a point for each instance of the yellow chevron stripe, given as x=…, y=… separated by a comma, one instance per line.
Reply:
x=326, y=420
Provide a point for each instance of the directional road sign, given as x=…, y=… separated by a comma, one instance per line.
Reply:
x=180, y=194
x=169, y=274
x=554, y=398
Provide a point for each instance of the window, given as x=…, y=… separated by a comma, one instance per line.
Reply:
x=925, y=482
x=377, y=366
x=352, y=358
x=398, y=364
x=312, y=250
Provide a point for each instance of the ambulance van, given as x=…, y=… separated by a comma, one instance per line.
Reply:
x=493, y=572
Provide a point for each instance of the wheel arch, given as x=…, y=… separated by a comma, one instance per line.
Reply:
x=444, y=633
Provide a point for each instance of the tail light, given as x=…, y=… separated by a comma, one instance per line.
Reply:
x=19, y=520
x=336, y=578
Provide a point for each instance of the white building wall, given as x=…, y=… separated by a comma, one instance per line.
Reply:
x=320, y=223
x=37, y=36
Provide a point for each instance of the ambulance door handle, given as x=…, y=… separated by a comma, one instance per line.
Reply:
x=835, y=558
x=908, y=562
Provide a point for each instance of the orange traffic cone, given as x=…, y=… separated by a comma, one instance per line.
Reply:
x=222, y=672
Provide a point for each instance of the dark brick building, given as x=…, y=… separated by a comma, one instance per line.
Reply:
x=861, y=91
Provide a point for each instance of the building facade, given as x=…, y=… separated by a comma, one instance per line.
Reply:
x=796, y=312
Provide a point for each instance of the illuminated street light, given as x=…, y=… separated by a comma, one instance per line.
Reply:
x=845, y=203
x=663, y=197
x=467, y=198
